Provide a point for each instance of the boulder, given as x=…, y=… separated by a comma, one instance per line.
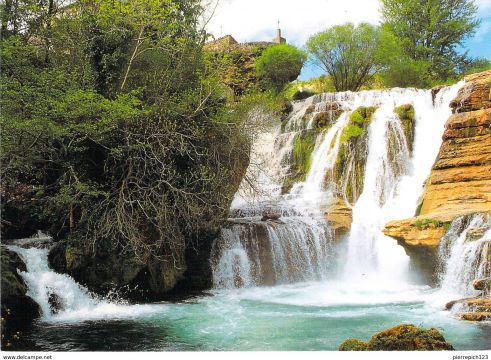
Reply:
x=55, y=303
x=270, y=215
x=482, y=284
x=17, y=310
x=353, y=345
x=472, y=309
x=302, y=94
x=339, y=217
x=405, y=337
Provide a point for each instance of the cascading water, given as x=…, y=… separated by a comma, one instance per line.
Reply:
x=392, y=186
x=296, y=249
x=465, y=254
x=62, y=299
x=393, y=179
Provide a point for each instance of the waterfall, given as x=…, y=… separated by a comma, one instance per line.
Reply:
x=465, y=252
x=392, y=186
x=266, y=253
x=61, y=298
x=299, y=246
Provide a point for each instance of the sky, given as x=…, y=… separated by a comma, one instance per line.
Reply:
x=256, y=20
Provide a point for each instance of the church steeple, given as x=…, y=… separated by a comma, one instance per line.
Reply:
x=278, y=39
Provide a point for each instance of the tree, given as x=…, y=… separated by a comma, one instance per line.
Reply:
x=121, y=137
x=280, y=64
x=347, y=53
x=432, y=30
x=397, y=69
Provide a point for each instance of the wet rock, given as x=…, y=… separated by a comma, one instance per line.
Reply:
x=269, y=215
x=17, y=310
x=339, y=217
x=472, y=309
x=324, y=119
x=55, y=303
x=353, y=345
x=302, y=94
x=476, y=316
x=286, y=109
x=475, y=234
x=435, y=91
x=482, y=284
x=404, y=337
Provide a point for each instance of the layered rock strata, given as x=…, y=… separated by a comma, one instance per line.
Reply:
x=460, y=180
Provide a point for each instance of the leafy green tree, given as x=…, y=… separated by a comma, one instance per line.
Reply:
x=122, y=136
x=280, y=64
x=431, y=31
x=397, y=69
x=347, y=53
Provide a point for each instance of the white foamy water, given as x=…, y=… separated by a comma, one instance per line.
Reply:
x=389, y=194
x=465, y=250
x=76, y=303
x=393, y=183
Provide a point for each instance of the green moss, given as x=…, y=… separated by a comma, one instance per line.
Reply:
x=407, y=116
x=404, y=337
x=423, y=224
x=351, y=131
x=358, y=123
x=303, y=145
x=353, y=345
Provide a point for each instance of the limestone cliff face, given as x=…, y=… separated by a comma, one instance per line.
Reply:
x=460, y=181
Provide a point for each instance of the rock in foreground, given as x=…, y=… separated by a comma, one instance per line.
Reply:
x=18, y=310
x=472, y=309
x=404, y=337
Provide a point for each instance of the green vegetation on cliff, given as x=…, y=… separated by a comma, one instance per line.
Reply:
x=349, y=167
x=280, y=64
x=303, y=145
x=408, y=119
x=358, y=123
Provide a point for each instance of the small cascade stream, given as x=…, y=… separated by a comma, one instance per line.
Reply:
x=466, y=254
x=62, y=299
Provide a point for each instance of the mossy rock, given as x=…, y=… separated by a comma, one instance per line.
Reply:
x=407, y=115
x=405, y=337
x=349, y=168
x=303, y=146
x=324, y=119
x=358, y=123
x=426, y=223
x=353, y=345
x=17, y=310
x=408, y=337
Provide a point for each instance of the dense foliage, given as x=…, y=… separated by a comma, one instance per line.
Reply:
x=418, y=44
x=112, y=129
x=347, y=53
x=430, y=31
x=280, y=64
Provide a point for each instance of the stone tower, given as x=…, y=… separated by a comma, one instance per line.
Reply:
x=278, y=39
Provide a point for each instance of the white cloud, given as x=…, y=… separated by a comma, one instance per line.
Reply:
x=253, y=20
x=483, y=4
